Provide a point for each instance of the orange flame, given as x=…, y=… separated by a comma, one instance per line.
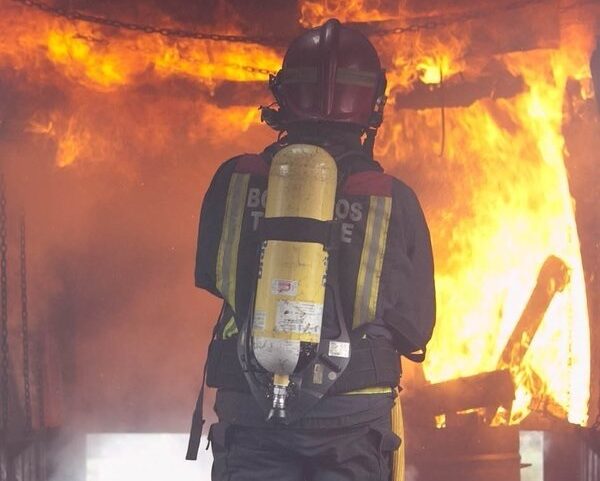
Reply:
x=314, y=12
x=512, y=211
x=84, y=53
x=498, y=201
x=502, y=205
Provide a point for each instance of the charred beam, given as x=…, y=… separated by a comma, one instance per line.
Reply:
x=254, y=17
x=515, y=28
x=459, y=91
x=554, y=276
x=529, y=28
x=490, y=389
x=428, y=7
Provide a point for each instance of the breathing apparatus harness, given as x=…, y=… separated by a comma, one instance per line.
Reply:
x=313, y=380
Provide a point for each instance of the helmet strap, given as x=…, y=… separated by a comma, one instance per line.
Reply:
x=369, y=142
x=274, y=117
x=377, y=115
x=380, y=101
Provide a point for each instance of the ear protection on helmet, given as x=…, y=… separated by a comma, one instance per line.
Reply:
x=379, y=102
x=274, y=118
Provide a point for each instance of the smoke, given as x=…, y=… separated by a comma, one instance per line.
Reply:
x=126, y=456
x=411, y=473
x=111, y=244
x=112, y=181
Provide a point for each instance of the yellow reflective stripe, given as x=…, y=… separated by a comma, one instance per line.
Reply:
x=362, y=271
x=371, y=260
x=230, y=236
x=299, y=75
x=398, y=461
x=230, y=328
x=350, y=76
x=378, y=263
x=370, y=390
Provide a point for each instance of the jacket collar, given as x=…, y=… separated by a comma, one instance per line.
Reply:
x=349, y=156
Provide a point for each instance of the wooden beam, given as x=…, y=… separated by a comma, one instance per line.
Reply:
x=483, y=390
x=460, y=91
x=553, y=277
x=496, y=28
x=529, y=28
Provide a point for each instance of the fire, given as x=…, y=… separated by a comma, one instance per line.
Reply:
x=107, y=59
x=506, y=209
x=71, y=144
x=497, y=199
x=498, y=206
x=314, y=12
x=81, y=58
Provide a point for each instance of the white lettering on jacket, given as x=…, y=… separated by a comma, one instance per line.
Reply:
x=349, y=212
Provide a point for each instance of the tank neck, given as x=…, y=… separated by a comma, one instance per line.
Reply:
x=325, y=135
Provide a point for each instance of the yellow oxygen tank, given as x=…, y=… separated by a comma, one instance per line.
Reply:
x=290, y=292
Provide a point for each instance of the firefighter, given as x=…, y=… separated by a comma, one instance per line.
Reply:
x=329, y=93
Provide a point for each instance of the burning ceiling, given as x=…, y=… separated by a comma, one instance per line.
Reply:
x=474, y=122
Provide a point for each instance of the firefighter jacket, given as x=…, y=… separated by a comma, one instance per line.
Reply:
x=385, y=265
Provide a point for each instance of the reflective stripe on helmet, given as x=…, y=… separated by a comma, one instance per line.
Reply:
x=349, y=76
x=346, y=76
x=299, y=75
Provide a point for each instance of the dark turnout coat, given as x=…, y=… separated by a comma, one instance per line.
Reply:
x=385, y=264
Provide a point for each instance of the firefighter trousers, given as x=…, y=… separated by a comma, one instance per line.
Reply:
x=355, y=453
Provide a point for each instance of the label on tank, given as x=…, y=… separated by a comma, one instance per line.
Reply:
x=297, y=317
x=283, y=287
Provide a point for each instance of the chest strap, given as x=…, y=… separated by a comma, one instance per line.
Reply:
x=300, y=229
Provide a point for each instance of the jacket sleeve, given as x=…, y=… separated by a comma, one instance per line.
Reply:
x=410, y=311
x=211, y=227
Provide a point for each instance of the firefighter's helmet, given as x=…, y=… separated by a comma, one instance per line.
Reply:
x=331, y=73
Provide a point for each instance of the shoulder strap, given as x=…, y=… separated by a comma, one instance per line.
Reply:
x=197, y=423
x=198, y=416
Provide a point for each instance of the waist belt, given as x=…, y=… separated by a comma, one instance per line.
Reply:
x=374, y=363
